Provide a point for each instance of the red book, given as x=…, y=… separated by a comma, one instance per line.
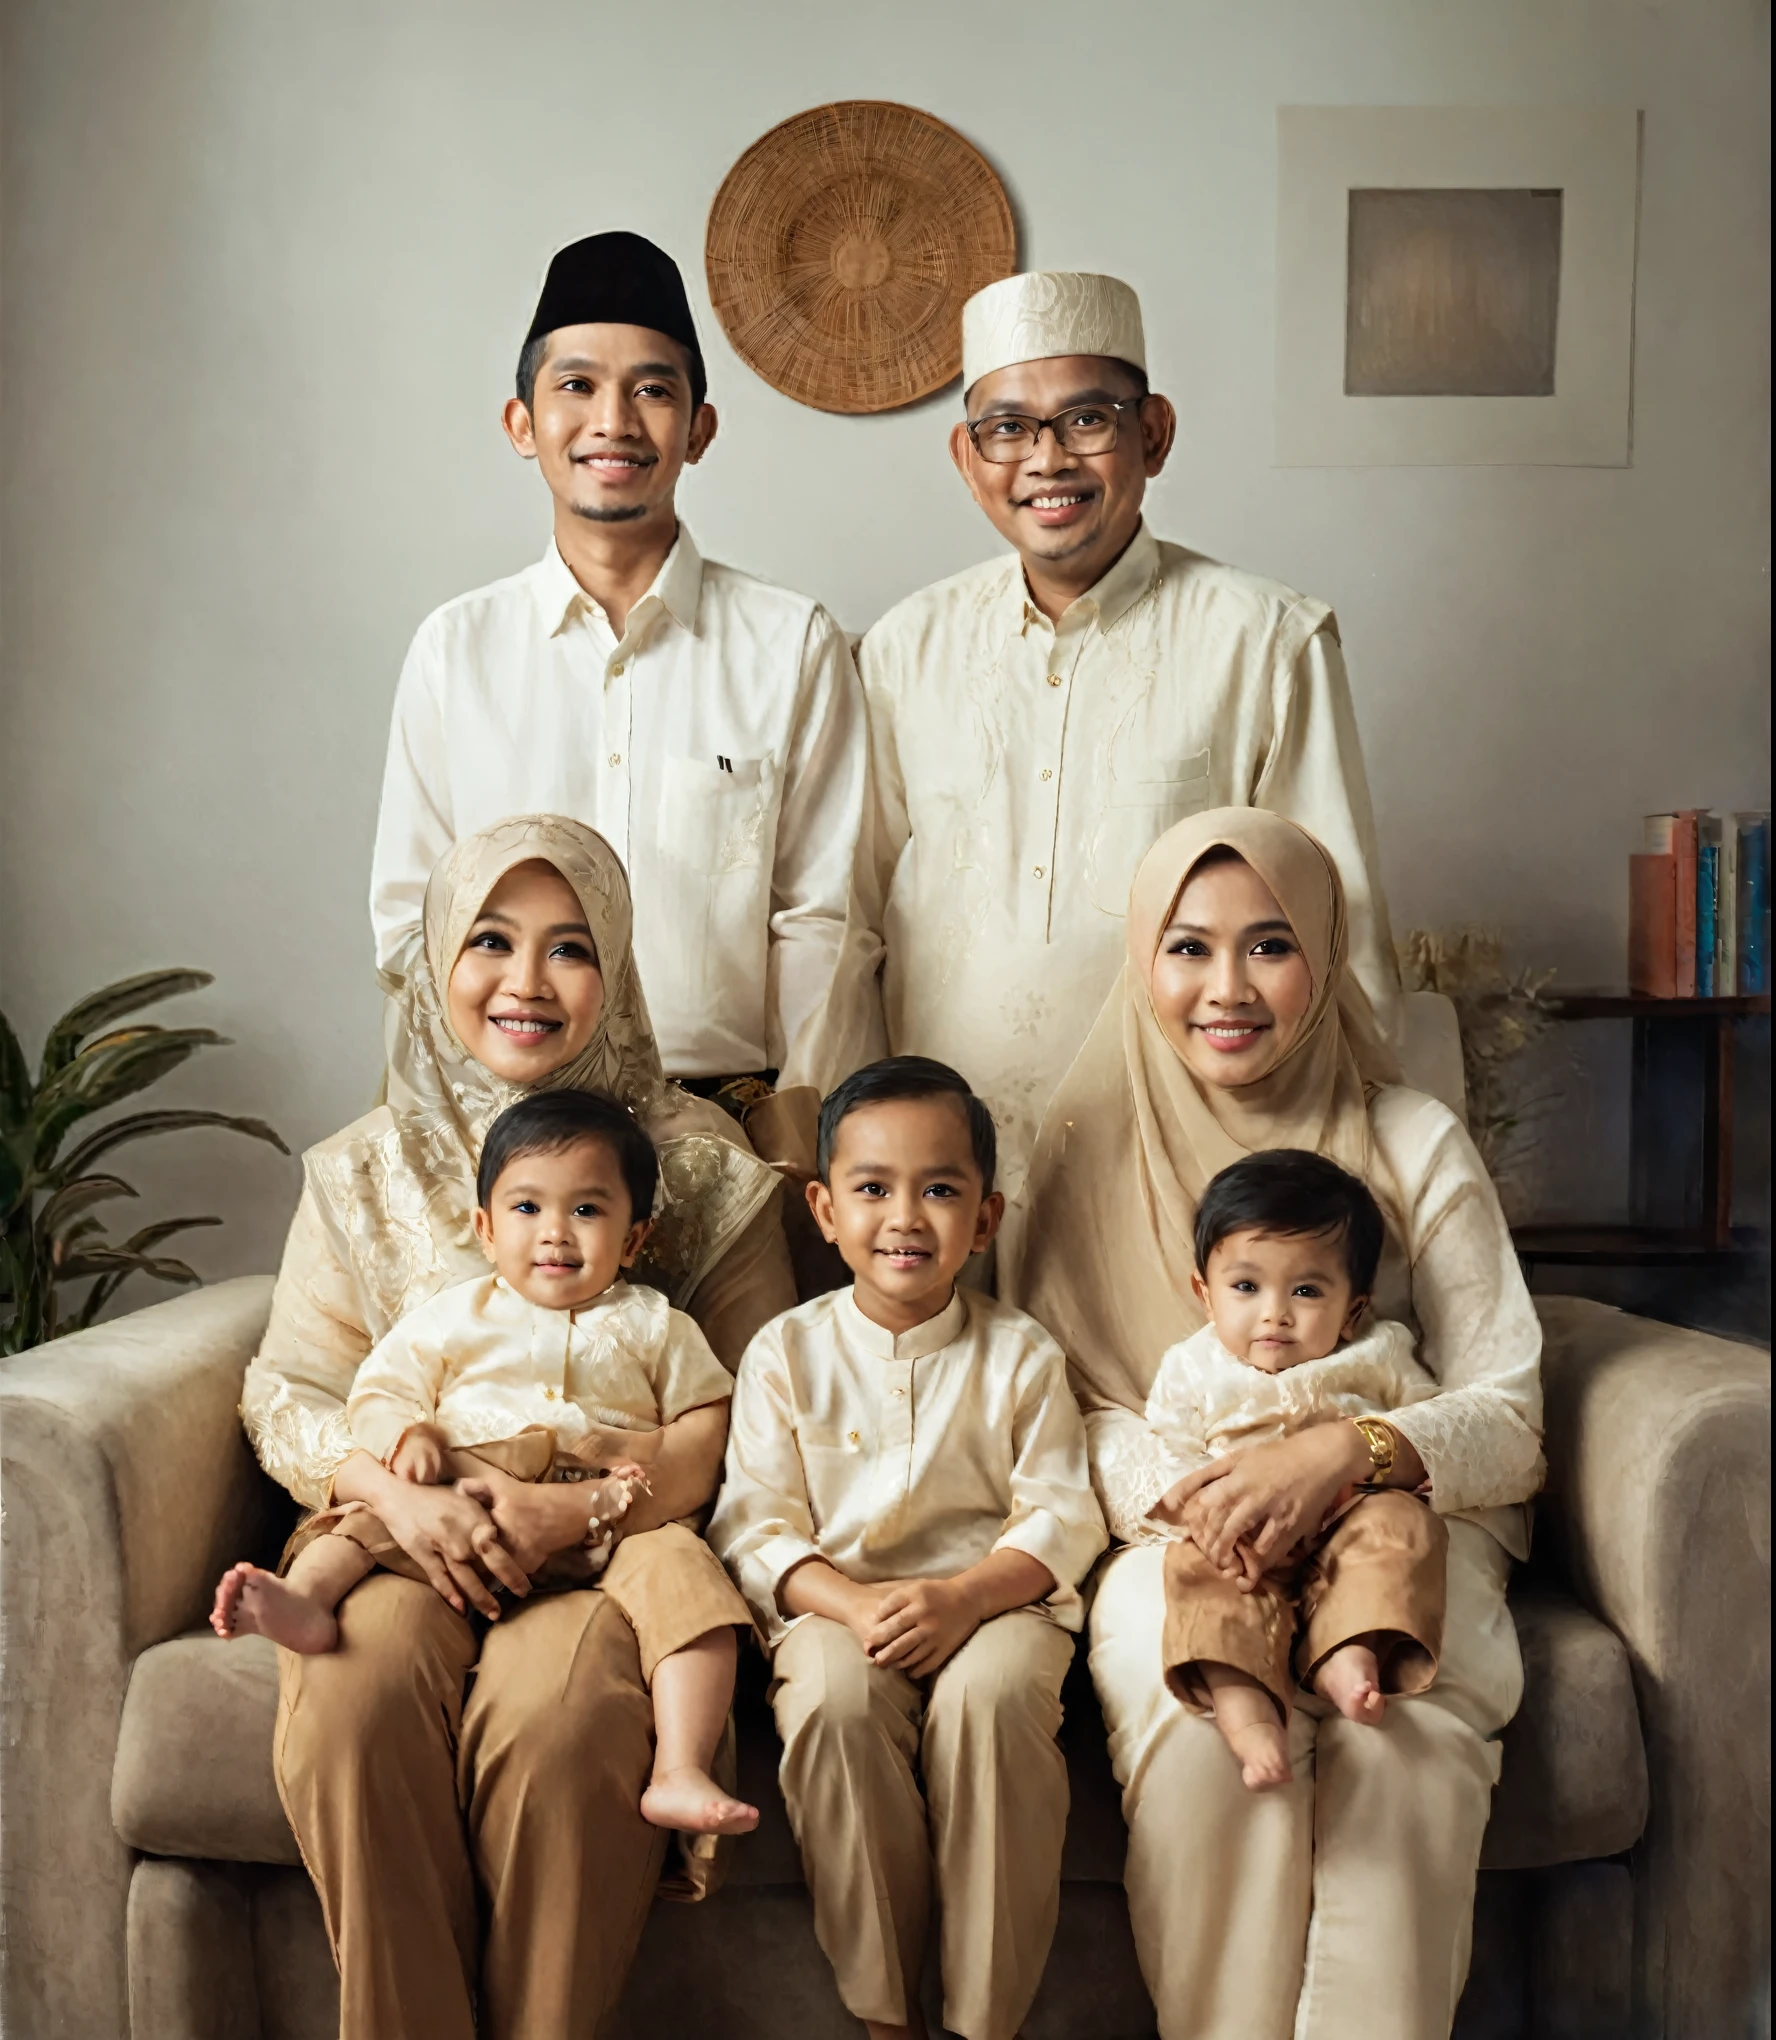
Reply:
x=1675, y=835
x=1652, y=926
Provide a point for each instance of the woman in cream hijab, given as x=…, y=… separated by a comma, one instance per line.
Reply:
x=525, y=982
x=1340, y=1904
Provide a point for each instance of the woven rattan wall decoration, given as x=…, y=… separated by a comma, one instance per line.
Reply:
x=842, y=245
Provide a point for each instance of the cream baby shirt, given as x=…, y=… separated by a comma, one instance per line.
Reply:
x=1205, y=1402
x=904, y=1457
x=482, y=1362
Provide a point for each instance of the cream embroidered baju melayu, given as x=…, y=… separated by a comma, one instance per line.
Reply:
x=440, y=1829
x=1338, y=1907
x=385, y=1216
x=1019, y=771
x=906, y=1458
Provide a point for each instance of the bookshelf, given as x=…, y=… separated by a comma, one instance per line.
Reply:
x=1680, y=1133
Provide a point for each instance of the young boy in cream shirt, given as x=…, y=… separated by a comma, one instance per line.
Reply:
x=908, y=1512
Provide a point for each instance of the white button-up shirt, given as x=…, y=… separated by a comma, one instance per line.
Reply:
x=1020, y=771
x=718, y=745
x=909, y=1457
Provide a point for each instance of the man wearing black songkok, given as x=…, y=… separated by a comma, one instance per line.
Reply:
x=708, y=724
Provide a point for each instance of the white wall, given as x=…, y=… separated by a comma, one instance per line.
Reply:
x=264, y=272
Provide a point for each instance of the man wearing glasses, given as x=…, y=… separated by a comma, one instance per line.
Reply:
x=1037, y=721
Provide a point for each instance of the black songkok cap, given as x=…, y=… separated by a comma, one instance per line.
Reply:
x=619, y=279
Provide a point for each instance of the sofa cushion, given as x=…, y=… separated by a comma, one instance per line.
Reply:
x=192, y=1775
x=193, y=1770
x=1575, y=1778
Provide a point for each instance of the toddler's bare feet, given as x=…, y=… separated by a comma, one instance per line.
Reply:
x=1247, y=1717
x=693, y=1802
x=1351, y=1679
x=252, y=1602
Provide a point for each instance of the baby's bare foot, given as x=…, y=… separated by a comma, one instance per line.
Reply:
x=1262, y=1748
x=693, y=1802
x=252, y=1602
x=1351, y=1679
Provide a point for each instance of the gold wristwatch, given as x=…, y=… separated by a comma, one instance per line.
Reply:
x=1379, y=1438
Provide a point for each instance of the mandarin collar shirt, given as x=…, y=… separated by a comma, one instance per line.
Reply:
x=718, y=744
x=1020, y=770
x=484, y=1363
x=909, y=1457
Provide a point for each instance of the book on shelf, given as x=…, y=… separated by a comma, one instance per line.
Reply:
x=1699, y=905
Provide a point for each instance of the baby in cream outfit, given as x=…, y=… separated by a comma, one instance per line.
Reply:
x=1287, y=1244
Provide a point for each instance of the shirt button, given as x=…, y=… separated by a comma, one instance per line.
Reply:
x=1038, y=872
x=617, y=670
x=550, y=1394
x=616, y=757
x=897, y=1392
x=1054, y=679
x=1046, y=773
x=854, y=1437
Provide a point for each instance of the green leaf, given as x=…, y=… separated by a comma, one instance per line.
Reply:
x=15, y=1079
x=137, y=1125
x=104, y=1008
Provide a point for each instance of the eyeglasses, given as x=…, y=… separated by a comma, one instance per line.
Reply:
x=1087, y=428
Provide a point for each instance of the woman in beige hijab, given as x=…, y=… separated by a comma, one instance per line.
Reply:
x=526, y=982
x=1338, y=1905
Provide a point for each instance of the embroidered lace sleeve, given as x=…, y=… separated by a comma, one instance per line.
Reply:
x=293, y=1399
x=1130, y=1469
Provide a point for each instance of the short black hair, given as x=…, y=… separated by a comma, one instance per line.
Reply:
x=906, y=1076
x=1291, y=1193
x=548, y=1121
x=536, y=351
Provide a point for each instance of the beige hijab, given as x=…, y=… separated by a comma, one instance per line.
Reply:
x=398, y=1190
x=1132, y=1137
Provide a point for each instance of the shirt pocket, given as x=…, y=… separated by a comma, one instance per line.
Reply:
x=715, y=813
x=1136, y=814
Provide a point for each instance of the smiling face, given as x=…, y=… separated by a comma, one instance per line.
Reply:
x=558, y=1227
x=1230, y=986
x=903, y=1205
x=526, y=992
x=1070, y=515
x=610, y=422
x=1276, y=1299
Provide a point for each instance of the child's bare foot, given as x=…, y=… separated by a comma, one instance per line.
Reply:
x=252, y=1602
x=1351, y=1679
x=1250, y=1726
x=691, y=1801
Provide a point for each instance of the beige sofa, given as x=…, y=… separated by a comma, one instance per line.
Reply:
x=150, y=1886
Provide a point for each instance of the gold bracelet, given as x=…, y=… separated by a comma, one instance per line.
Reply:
x=1379, y=1438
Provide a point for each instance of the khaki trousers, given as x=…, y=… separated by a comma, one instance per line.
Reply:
x=419, y=1817
x=1379, y=1569
x=1336, y=1908
x=857, y=1740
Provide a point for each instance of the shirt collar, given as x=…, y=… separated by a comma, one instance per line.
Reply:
x=1109, y=599
x=676, y=588
x=930, y=1337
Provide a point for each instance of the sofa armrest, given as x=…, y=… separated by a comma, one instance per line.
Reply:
x=1658, y=1443
x=128, y=1484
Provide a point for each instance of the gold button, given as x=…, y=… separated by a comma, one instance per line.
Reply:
x=550, y=1393
x=616, y=757
x=1046, y=773
x=855, y=1437
x=617, y=670
x=1054, y=680
x=897, y=1391
x=1039, y=871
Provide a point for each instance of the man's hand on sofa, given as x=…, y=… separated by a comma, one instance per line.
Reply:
x=452, y=1539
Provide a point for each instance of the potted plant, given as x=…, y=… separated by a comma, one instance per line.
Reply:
x=49, y=1234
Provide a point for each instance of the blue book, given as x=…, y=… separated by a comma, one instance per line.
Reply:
x=1707, y=895
x=1754, y=902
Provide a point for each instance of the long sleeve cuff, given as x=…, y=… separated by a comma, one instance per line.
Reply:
x=1066, y=1549
x=1478, y=1452
x=765, y=1568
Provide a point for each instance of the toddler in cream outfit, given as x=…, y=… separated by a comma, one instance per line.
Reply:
x=1287, y=1244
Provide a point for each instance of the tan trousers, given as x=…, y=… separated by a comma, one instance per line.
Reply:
x=1378, y=1570
x=1336, y=1908
x=420, y=1818
x=857, y=1740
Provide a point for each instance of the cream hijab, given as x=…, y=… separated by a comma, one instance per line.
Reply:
x=398, y=1189
x=1132, y=1137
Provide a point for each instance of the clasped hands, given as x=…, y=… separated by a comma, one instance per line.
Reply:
x=1247, y=1510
